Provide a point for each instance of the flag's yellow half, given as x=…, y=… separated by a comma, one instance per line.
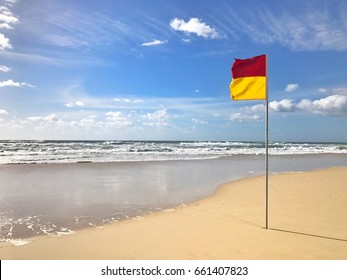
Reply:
x=248, y=88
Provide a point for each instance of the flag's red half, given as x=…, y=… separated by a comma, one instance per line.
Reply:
x=250, y=67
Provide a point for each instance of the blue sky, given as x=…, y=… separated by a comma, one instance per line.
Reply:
x=160, y=70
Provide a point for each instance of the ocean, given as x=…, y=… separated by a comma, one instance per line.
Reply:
x=59, y=187
x=24, y=152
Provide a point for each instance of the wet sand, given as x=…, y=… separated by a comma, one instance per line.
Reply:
x=56, y=199
x=307, y=221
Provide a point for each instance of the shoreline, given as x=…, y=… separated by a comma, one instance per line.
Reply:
x=152, y=160
x=306, y=222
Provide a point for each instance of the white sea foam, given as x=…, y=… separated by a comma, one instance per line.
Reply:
x=64, y=232
x=18, y=242
x=9, y=228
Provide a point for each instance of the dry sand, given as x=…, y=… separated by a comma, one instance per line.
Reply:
x=308, y=220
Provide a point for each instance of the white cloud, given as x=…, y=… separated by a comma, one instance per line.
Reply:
x=40, y=123
x=157, y=119
x=13, y=124
x=44, y=119
x=87, y=123
x=54, y=122
x=199, y=122
x=79, y=103
x=4, y=68
x=340, y=91
x=7, y=18
x=335, y=105
x=257, y=108
x=128, y=100
x=154, y=43
x=322, y=90
x=285, y=105
x=3, y=112
x=4, y=42
x=75, y=104
x=11, y=83
x=73, y=28
x=114, y=116
x=185, y=40
x=65, y=41
x=194, y=25
x=331, y=105
x=11, y=1
x=244, y=117
x=310, y=28
x=291, y=87
x=5, y=26
x=118, y=119
x=334, y=91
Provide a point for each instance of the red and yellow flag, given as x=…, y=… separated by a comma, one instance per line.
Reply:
x=249, y=78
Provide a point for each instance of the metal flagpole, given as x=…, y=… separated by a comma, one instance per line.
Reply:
x=267, y=151
x=267, y=163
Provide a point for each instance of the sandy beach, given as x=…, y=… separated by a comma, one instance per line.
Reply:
x=307, y=221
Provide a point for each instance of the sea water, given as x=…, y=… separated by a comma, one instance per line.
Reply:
x=20, y=152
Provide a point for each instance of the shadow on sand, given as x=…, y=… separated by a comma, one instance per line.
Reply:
x=308, y=234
